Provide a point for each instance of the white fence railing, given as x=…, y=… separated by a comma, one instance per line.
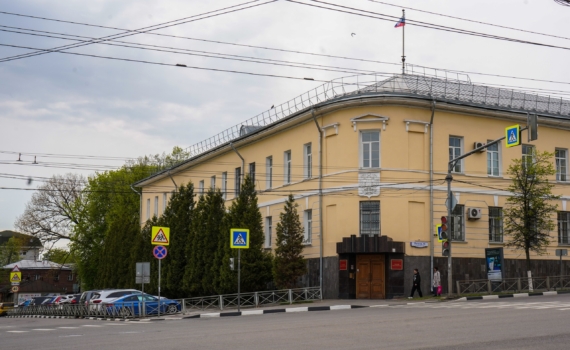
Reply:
x=514, y=285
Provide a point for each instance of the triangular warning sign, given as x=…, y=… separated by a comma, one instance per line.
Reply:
x=160, y=237
x=239, y=240
x=16, y=269
x=15, y=278
x=512, y=136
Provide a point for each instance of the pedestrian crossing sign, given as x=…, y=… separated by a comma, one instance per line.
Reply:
x=513, y=135
x=438, y=233
x=160, y=235
x=239, y=238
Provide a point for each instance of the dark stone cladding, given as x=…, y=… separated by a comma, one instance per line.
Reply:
x=369, y=244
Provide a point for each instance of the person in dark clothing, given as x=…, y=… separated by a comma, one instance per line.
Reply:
x=416, y=284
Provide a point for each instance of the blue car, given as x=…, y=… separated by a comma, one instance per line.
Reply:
x=132, y=305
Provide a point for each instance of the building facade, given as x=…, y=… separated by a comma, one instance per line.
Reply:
x=366, y=161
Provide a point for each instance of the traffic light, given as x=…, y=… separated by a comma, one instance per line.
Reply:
x=445, y=234
x=232, y=264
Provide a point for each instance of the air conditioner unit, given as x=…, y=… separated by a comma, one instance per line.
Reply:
x=479, y=144
x=474, y=213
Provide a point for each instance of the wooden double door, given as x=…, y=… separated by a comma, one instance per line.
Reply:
x=370, y=276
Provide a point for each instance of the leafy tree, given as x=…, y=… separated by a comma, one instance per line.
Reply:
x=256, y=264
x=59, y=255
x=206, y=231
x=288, y=264
x=528, y=216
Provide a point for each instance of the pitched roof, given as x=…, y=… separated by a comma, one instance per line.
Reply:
x=36, y=265
x=32, y=241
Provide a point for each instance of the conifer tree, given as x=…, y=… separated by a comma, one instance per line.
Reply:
x=256, y=264
x=288, y=264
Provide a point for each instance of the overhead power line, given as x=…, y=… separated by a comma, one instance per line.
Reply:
x=469, y=20
x=138, y=31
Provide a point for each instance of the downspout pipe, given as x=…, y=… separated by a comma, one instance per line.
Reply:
x=320, y=201
x=242, y=160
x=171, y=178
x=140, y=203
x=431, y=211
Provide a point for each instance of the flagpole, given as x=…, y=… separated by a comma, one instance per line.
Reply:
x=403, y=42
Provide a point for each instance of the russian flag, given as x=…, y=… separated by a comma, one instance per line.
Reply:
x=401, y=23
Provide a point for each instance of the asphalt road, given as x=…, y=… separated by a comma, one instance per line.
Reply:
x=513, y=323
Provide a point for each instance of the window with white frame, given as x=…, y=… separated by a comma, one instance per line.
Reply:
x=455, y=150
x=287, y=167
x=148, y=209
x=252, y=172
x=268, y=231
x=370, y=149
x=224, y=184
x=370, y=218
x=308, y=221
x=561, y=157
x=70, y=277
x=156, y=206
x=493, y=160
x=564, y=227
x=458, y=223
x=496, y=224
x=527, y=154
x=164, y=201
x=237, y=181
x=268, y=172
x=213, y=182
x=201, y=187
x=307, y=161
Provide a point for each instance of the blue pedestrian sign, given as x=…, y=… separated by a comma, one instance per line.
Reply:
x=239, y=238
x=513, y=135
x=159, y=252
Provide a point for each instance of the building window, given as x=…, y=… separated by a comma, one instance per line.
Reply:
x=56, y=278
x=495, y=224
x=268, y=231
x=370, y=218
x=564, y=227
x=287, y=167
x=252, y=172
x=224, y=184
x=493, y=160
x=201, y=187
x=308, y=234
x=37, y=277
x=307, y=161
x=237, y=184
x=148, y=209
x=455, y=150
x=370, y=149
x=527, y=155
x=268, y=172
x=70, y=277
x=164, y=201
x=458, y=223
x=561, y=157
x=156, y=206
x=213, y=182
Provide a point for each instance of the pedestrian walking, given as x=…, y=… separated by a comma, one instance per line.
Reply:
x=416, y=284
x=436, y=282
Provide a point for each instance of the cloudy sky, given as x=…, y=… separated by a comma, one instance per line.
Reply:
x=61, y=104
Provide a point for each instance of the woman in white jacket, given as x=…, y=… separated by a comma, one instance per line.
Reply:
x=436, y=282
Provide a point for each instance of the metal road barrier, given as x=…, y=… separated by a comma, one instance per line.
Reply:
x=256, y=299
x=513, y=285
x=124, y=310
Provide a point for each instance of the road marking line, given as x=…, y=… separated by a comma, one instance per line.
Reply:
x=68, y=327
x=43, y=329
x=91, y=325
x=17, y=331
x=71, y=335
x=563, y=309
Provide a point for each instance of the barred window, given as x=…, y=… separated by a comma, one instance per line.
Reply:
x=561, y=164
x=370, y=218
x=564, y=227
x=457, y=223
x=495, y=224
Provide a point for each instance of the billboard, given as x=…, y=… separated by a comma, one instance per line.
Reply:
x=494, y=262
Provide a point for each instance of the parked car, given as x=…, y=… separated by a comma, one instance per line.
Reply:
x=4, y=307
x=108, y=295
x=75, y=299
x=25, y=303
x=65, y=299
x=39, y=300
x=131, y=305
x=49, y=301
x=87, y=295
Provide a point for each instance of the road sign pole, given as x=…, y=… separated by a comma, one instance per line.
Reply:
x=239, y=277
x=449, y=178
x=158, y=287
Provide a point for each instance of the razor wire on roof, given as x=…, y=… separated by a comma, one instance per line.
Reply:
x=446, y=86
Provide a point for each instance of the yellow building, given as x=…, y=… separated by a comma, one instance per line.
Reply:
x=366, y=159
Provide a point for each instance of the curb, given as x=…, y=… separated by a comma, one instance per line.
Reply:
x=95, y=318
x=515, y=295
x=274, y=311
